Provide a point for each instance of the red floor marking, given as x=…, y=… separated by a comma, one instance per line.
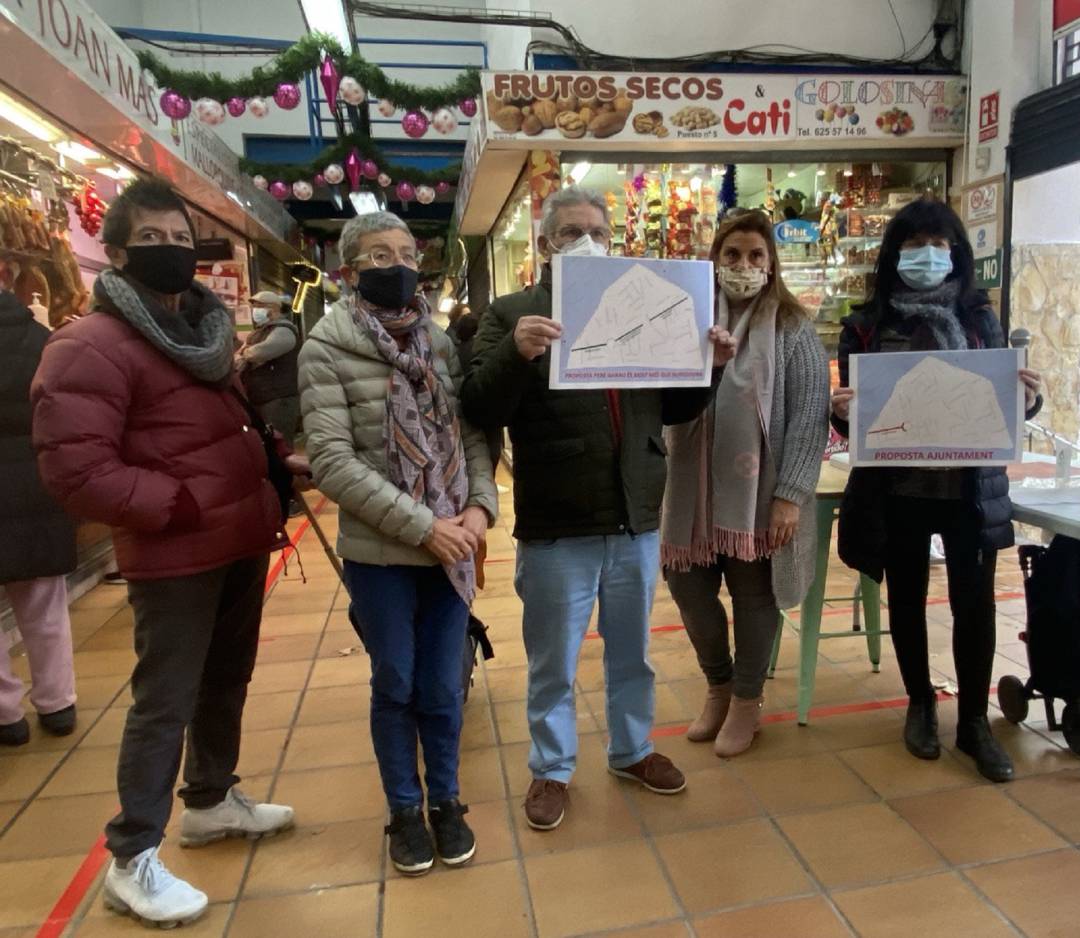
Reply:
x=68, y=903
x=788, y=715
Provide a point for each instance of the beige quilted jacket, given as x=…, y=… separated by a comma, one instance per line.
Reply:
x=343, y=388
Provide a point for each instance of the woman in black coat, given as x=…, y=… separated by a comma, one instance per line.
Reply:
x=37, y=544
x=924, y=298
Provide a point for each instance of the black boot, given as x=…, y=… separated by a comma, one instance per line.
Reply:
x=15, y=734
x=410, y=842
x=920, y=729
x=454, y=841
x=60, y=722
x=974, y=738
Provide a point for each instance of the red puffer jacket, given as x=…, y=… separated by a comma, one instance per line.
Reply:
x=126, y=437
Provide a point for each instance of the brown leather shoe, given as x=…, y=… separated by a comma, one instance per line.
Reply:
x=545, y=804
x=656, y=772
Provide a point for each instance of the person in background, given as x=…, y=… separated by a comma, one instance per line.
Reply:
x=589, y=470
x=379, y=392
x=268, y=368
x=740, y=479
x=924, y=298
x=268, y=363
x=37, y=546
x=455, y=316
x=139, y=423
x=464, y=336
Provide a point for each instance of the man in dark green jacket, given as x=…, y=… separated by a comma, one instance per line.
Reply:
x=589, y=473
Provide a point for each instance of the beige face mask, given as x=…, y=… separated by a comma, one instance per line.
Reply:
x=741, y=283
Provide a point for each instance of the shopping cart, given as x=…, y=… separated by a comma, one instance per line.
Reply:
x=1052, y=637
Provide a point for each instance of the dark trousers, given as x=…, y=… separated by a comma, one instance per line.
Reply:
x=970, y=570
x=196, y=638
x=412, y=623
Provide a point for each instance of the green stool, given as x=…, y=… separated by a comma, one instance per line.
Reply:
x=867, y=592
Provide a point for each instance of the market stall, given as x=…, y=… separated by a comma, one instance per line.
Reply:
x=830, y=157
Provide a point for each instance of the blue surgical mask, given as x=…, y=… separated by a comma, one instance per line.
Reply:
x=925, y=267
x=259, y=316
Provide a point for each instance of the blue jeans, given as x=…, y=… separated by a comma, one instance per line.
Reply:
x=412, y=623
x=560, y=582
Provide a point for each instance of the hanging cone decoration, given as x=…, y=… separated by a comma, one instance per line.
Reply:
x=353, y=169
x=331, y=81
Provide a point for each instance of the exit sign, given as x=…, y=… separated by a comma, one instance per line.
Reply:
x=989, y=105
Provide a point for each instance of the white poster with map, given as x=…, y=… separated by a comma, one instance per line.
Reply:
x=631, y=322
x=939, y=409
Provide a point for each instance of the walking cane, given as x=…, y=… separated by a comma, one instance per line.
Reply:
x=321, y=535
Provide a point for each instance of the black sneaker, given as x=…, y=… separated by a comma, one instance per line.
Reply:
x=60, y=722
x=15, y=734
x=454, y=841
x=410, y=842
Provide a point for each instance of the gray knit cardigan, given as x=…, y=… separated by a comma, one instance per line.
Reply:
x=798, y=432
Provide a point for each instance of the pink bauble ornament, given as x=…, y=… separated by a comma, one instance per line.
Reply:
x=279, y=190
x=175, y=105
x=319, y=180
x=443, y=121
x=370, y=169
x=384, y=180
x=287, y=95
x=386, y=108
x=301, y=189
x=328, y=75
x=441, y=188
x=415, y=124
x=468, y=107
x=334, y=174
x=425, y=195
x=236, y=106
x=260, y=182
x=259, y=107
x=405, y=191
x=209, y=111
x=353, y=169
x=352, y=92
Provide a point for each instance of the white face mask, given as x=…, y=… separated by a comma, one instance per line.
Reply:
x=260, y=316
x=741, y=283
x=583, y=247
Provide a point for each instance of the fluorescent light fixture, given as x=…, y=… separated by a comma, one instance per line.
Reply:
x=446, y=304
x=25, y=119
x=364, y=202
x=580, y=171
x=119, y=173
x=848, y=171
x=78, y=152
x=328, y=16
x=791, y=173
x=821, y=169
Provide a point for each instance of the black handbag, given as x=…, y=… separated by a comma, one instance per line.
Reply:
x=277, y=472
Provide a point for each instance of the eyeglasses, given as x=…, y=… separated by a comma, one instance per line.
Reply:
x=574, y=232
x=383, y=257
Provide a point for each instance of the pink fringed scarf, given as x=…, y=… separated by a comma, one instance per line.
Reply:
x=721, y=476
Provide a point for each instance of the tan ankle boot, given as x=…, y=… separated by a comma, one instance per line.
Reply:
x=740, y=726
x=706, y=726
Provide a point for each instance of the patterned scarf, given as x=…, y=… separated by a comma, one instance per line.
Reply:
x=199, y=338
x=933, y=311
x=721, y=475
x=424, y=452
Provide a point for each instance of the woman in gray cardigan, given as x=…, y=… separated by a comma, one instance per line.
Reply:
x=740, y=481
x=379, y=384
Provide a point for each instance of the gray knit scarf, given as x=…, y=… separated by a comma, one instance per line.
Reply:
x=424, y=452
x=933, y=310
x=199, y=338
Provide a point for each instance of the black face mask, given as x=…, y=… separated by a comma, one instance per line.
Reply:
x=387, y=287
x=163, y=268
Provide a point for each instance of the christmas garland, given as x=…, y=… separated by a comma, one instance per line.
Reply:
x=339, y=153
x=297, y=61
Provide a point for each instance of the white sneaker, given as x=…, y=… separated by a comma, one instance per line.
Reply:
x=147, y=891
x=236, y=816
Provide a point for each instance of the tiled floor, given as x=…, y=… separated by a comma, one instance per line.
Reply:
x=820, y=831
